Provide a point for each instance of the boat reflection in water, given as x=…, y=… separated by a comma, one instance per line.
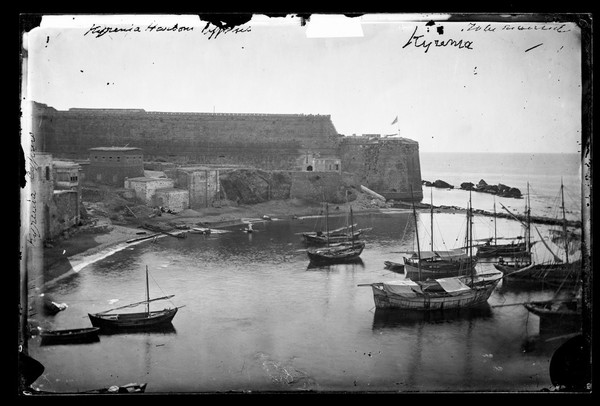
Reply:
x=160, y=329
x=348, y=265
x=391, y=318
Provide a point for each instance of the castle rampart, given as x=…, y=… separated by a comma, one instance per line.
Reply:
x=387, y=165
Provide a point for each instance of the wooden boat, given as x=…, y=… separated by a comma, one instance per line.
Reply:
x=338, y=252
x=321, y=239
x=394, y=266
x=500, y=250
x=132, y=388
x=438, y=264
x=557, y=311
x=77, y=335
x=199, y=230
x=433, y=264
x=557, y=271
x=561, y=314
x=148, y=319
x=128, y=388
x=436, y=294
x=516, y=247
x=348, y=232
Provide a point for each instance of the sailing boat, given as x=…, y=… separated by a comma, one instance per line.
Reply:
x=512, y=249
x=436, y=263
x=436, y=294
x=559, y=312
x=342, y=234
x=521, y=258
x=141, y=320
x=345, y=251
x=556, y=272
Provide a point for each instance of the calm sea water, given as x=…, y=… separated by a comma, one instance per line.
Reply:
x=543, y=172
x=257, y=317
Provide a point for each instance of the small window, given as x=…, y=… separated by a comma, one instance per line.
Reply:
x=47, y=173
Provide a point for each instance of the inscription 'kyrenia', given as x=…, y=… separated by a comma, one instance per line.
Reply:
x=101, y=30
x=419, y=42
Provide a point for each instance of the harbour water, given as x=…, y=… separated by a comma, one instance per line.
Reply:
x=258, y=318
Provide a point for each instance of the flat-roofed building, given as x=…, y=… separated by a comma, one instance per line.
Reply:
x=145, y=188
x=112, y=165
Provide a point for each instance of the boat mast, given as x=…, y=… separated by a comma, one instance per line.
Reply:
x=351, y=227
x=495, y=228
x=470, y=226
x=327, y=223
x=562, y=193
x=528, y=224
x=416, y=233
x=347, y=225
x=147, y=294
x=431, y=201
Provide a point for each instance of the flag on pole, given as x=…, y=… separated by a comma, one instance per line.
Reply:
x=395, y=120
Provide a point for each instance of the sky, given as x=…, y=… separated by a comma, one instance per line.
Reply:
x=482, y=87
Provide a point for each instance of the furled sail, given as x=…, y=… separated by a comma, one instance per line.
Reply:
x=137, y=304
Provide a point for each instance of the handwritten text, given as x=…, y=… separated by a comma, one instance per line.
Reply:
x=213, y=31
x=101, y=30
x=419, y=42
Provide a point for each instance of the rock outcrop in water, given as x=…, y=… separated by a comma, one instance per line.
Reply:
x=482, y=187
x=438, y=184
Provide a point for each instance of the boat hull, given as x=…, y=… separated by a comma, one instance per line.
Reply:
x=512, y=250
x=322, y=239
x=557, y=311
x=432, y=301
x=338, y=254
x=120, y=321
x=564, y=274
x=88, y=334
x=443, y=271
x=394, y=266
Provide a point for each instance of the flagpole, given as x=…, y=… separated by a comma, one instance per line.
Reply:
x=396, y=122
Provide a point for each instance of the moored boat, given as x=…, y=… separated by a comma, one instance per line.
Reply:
x=454, y=292
x=559, y=271
x=394, y=266
x=345, y=251
x=337, y=253
x=436, y=294
x=141, y=320
x=65, y=336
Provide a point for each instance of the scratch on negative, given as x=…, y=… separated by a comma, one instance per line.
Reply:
x=527, y=50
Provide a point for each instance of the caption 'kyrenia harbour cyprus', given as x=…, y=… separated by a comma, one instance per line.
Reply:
x=194, y=250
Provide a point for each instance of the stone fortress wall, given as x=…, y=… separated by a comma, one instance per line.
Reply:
x=263, y=141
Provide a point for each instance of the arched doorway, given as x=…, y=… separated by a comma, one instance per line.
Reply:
x=309, y=168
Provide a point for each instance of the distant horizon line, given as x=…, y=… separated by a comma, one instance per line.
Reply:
x=500, y=152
